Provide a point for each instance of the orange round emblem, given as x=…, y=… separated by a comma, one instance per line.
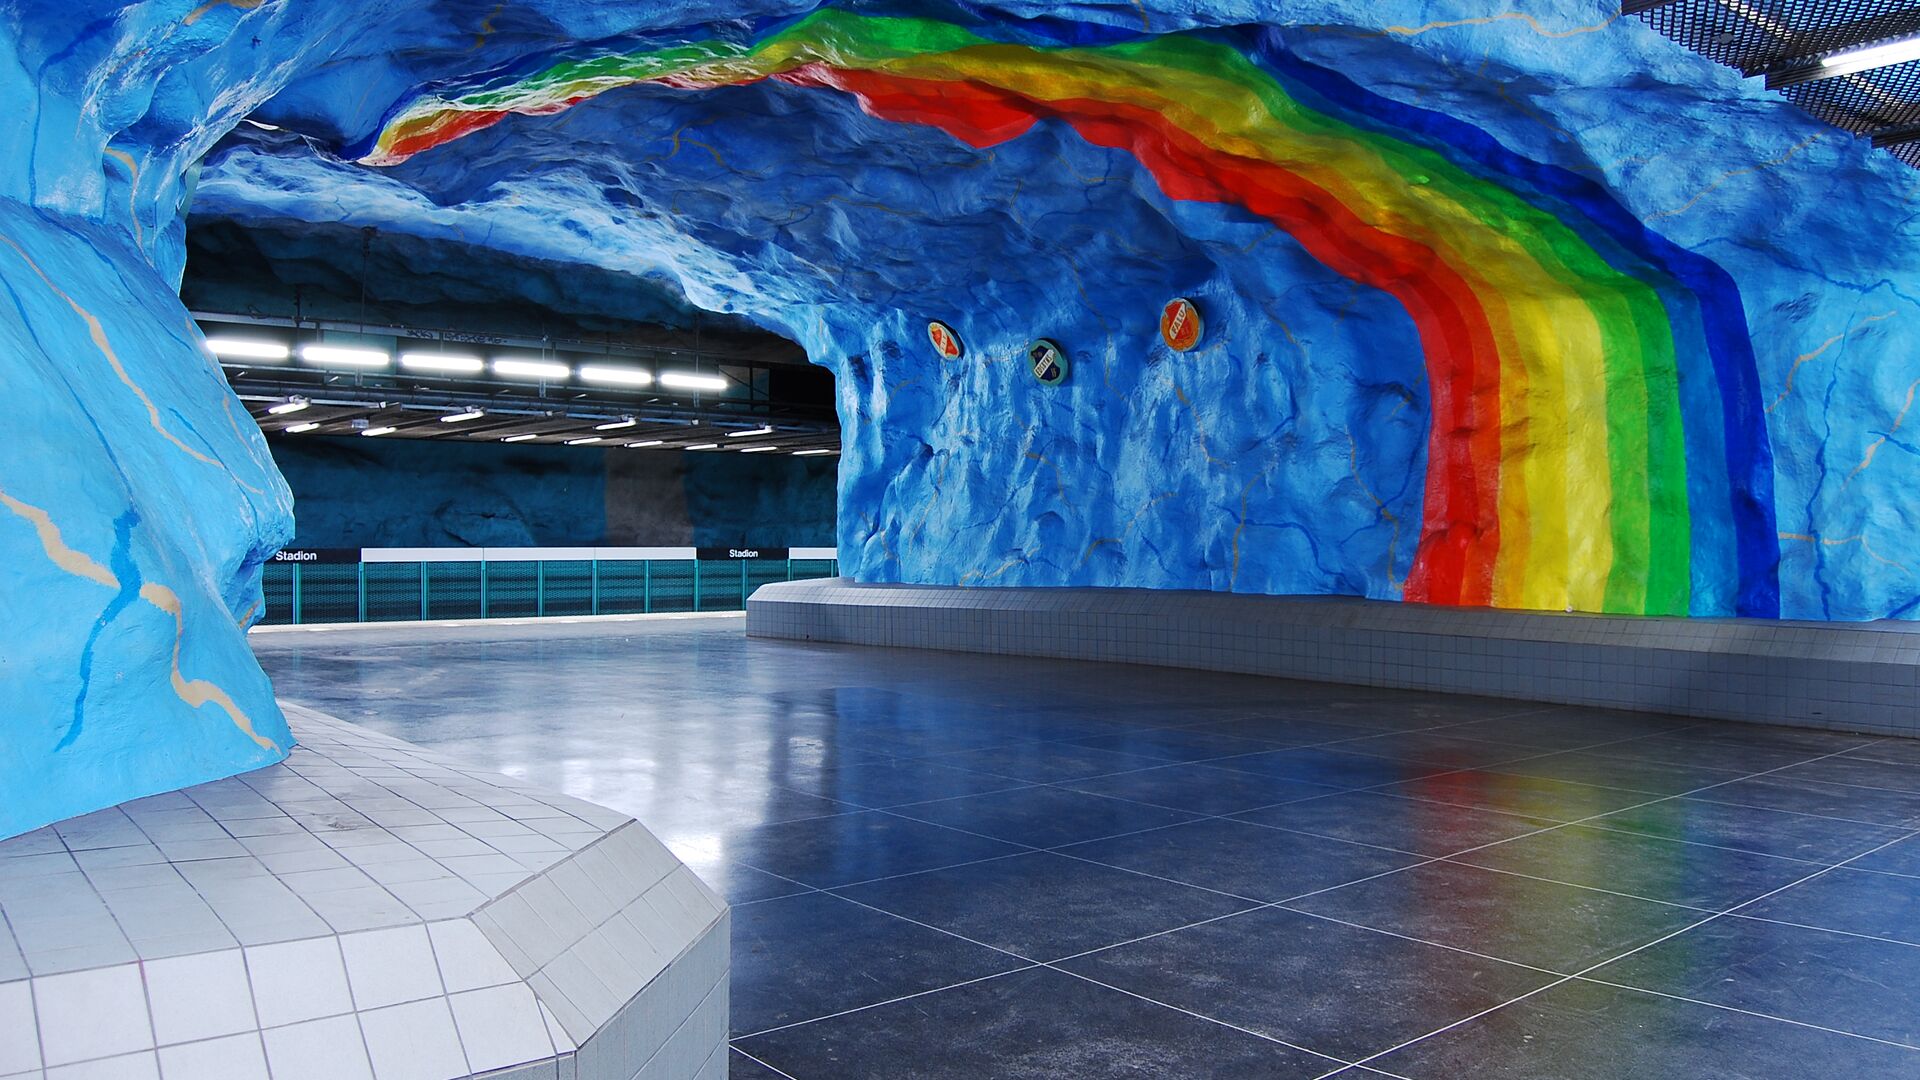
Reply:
x=945, y=341
x=1180, y=324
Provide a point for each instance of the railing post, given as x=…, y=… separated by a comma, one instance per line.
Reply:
x=296, y=594
x=696, y=581
x=360, y=573
x=423, y=592
x=595, y=566
x=483, y=588
x=646, y=586
x=744, y=579
x=539, y=588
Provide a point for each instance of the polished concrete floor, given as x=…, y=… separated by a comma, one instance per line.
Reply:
x=961, y=866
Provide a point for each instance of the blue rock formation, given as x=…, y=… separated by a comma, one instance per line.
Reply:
x=1293, y=451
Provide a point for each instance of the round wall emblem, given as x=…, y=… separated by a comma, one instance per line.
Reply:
x=1048, y=361
x=945, y=340
x=1180, y=324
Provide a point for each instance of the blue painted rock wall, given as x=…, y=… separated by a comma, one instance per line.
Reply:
x=1295, y=453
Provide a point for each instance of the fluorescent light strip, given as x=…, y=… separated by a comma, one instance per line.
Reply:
x=758, y=449
x=519, y=438
x=1873, y=56
x=540, y=369
x=342, y=357
x=426, y=361
x=289, y=407
x=753, y=431
x=649, y=442
x=703, y=446
x=615, y=376
x=245, y=349
x=295, y=429
x=463, y=417
x=686, y=380
x=585, y=441
x=616, y=425
x=810, y=453
x=372, y=431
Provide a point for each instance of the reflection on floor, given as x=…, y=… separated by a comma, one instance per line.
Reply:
x=947, y=865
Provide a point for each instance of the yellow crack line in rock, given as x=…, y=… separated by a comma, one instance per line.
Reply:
x=1899, y=418
x=975, y=575
x=77, y=563
x=1506, y=16
x=1059, y=478
x=133, y=192
x=199, y=692
x=195, y=692
x=99, y=335
x=1717, y=184
x=1199, y=428
x=486, y=27
x=1787, y=387
x=1142, y=512
x=1860, y=539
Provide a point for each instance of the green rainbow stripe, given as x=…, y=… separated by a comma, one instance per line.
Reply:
x=1558, y=461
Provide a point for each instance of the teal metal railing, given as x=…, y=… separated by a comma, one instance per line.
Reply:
x=404, y=591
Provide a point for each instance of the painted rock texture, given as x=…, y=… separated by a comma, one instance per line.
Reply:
x=1519, y=308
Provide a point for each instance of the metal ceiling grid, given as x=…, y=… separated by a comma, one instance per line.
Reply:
x=1785, y=41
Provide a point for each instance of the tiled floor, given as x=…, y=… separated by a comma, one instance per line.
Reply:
x=947, y=865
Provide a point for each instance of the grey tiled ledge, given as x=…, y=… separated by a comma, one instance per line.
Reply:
x=1842, y=676
x=366, y=910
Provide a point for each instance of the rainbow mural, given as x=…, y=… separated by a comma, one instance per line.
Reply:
x=1597, y=438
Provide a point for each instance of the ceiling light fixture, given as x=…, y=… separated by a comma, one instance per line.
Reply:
x=585, y=441
x=624, y=422
x=463, y=417
x=295, y=429
x=426, y=361
x=649, y=442
x=291, y=405
x=758, y=449
x=539, y=369
x=1873, y=56
x=615, y=376
x=245, y=349
x=703, y=446
x=372, y=431
x=686, y=380
x=750, y=431
x=519, y=438
x=334, y=355
x=810, y=453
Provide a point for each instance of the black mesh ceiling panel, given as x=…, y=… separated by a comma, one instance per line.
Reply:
x=1784, y=41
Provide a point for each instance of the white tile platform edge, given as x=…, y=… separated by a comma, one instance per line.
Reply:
x=1843, y=676
x=364, y=909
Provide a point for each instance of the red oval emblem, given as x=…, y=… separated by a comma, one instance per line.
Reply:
x=945, y=341
x=1180, y=325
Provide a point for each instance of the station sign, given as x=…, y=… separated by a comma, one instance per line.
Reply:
x=946, y=341
x=742, y=552
x=317, y=556
x=1048, y=362
x=1180, y=324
